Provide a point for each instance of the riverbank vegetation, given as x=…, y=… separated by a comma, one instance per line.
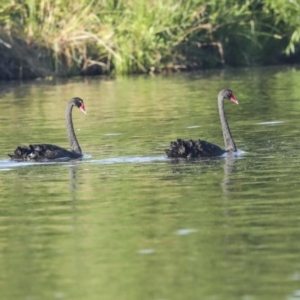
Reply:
x=40, y=38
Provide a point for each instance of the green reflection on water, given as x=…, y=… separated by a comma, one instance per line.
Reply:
x=101, y=228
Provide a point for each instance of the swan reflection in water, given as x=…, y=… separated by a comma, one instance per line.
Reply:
x=201, y=164
x=228, y=170
x=73, y=181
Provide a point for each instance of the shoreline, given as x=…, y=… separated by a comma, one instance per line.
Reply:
x=40, y=39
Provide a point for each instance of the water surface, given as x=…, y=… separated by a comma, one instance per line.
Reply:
x=125, y=222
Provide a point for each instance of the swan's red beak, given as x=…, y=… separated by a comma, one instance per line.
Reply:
x=233, y=99
x=82, y=108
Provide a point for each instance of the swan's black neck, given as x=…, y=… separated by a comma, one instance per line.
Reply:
x=70, y=130
x=228, y=140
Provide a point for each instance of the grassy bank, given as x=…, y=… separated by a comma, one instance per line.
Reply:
x=65, y=37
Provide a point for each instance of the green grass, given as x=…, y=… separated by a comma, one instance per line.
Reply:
x=64, y=37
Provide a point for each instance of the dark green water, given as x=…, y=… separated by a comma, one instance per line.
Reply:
x=127, y=223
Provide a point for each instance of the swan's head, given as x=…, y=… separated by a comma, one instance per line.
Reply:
x=228, y=94
x=78, y=102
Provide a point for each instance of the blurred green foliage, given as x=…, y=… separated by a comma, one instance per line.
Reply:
x=132, y=36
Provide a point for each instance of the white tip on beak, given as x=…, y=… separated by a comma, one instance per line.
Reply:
x=83, y=110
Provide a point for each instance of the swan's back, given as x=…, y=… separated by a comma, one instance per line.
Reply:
x=191, y=148
x=42, y=151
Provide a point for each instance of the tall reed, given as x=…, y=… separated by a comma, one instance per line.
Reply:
x=127, y=36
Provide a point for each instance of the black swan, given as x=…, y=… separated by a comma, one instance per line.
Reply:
x=191, y=148
x=48, y=151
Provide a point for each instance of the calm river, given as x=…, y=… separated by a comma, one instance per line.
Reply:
x=128, y=223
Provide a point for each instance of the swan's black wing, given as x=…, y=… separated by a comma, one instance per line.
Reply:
x=191, y=148
x=42, y=151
